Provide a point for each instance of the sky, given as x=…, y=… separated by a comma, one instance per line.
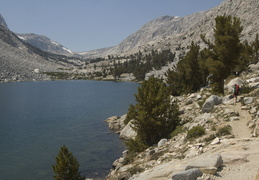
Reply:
x=83, y=25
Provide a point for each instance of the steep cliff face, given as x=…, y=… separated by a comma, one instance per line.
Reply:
x=173, y=32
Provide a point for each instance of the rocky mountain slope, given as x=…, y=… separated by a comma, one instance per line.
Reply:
x=177, y=33
x=22, y=62
x=45, y=44
x=2, y=22
x=227, y=151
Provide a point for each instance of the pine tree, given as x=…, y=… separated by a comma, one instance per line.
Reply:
x=255, y=46
x=186, y=76
x=227, y=49
x=154, y=115
x=66, y=167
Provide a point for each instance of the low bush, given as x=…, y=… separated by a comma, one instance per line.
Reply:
x=245, y=89
x=135, y=145
x=135, y=169
x=178, y=130
x=195, y=132
x=226, y=130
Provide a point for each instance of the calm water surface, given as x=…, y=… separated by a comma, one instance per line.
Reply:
x=37, y=118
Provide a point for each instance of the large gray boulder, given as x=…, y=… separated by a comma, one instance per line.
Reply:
x=127, y=132
x=248, y=100
x=191, y=174
x=210, y=103
x=212, y=161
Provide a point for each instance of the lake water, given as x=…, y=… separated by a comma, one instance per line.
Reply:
x=37, y=118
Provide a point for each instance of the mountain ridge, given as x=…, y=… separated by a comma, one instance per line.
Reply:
x=46, y=44
x=182, y=30
x=2, y=22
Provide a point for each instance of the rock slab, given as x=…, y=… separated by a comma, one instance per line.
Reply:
x=191, y=174
x=210, y=103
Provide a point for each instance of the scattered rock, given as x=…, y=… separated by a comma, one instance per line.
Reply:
x=248, y=100
x=191, y=174
x=210, y=102
x=234, y=118
x=209, y=170
x=161, y=143
x=213, y=161
x=155, y=155
x=215, y=141
x=127, y=132
x=253, y=110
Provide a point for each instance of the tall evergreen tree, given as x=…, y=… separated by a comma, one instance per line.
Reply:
x=226, y=47
x=255, y=46
x=186, y=76
x=155, y=117
x=66, y=167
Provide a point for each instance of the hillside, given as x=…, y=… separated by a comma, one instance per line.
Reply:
x=174, y=32
x=45, y=44
x=228, y=149
x=20, y=61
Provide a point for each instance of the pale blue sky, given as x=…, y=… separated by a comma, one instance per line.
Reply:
x=83, y=25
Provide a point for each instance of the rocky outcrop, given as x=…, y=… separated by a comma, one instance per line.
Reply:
x=210, y=103
x=128, y=132
x=117, y=124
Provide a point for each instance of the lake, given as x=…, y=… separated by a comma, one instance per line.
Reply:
x=37, y=118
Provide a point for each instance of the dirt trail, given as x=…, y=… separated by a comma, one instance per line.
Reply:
x=239, y=128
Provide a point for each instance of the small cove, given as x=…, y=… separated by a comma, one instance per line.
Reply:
x=36, y=118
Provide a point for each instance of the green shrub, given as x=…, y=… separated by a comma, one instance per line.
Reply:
x=195, y=132
x=135, y=146
x=210, y=138
x=245, y=89
x=129, y=158
x=226, y=130
x=178, y=130
x=135, y=169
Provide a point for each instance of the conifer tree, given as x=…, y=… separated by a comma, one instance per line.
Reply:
x=227, y=50
x=154, y=115
x=186, y=76
x=66, y=167
x=255, y=46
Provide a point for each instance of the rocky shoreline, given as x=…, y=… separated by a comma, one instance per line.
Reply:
x=217, y=154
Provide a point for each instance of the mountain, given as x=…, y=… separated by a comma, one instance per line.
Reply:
x=2, y=22
x=228, y=148
x=20, y=61
x=46, y=44
x=173, y=32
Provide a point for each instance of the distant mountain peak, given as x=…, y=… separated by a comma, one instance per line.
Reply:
x=2, y=22
x=44, y=43
x=172, y=32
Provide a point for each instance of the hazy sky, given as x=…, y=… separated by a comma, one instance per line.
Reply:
x=83, y=25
